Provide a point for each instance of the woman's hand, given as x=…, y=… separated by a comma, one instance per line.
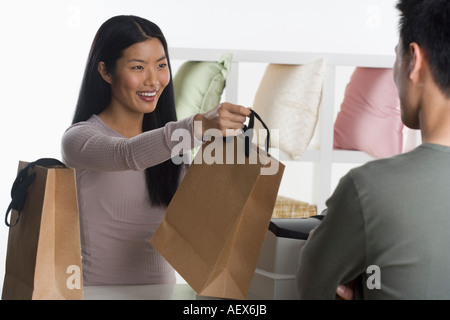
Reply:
x=225, y=117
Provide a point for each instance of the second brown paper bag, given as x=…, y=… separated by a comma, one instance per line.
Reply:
x=215, y=225
x=43, y=260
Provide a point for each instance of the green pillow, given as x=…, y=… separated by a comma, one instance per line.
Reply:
x=198, y=85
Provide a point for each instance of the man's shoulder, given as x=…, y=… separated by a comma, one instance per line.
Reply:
x=409, y=167
x=382, y=166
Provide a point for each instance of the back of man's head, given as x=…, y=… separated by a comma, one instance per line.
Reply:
x=427, y=23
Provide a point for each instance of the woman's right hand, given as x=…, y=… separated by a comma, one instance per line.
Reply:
x=225, y=117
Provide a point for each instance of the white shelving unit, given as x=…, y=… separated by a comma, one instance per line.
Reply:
x=324, y=156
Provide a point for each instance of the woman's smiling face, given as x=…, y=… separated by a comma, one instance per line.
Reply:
x=139, y=78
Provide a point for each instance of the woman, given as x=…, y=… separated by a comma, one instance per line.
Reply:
x=120, y=145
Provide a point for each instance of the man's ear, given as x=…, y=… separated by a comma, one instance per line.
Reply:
x=104, y=72
x=416, y=62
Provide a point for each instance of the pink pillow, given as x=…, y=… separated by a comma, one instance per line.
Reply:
x=369, y=119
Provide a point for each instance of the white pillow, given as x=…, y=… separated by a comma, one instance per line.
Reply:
x=288, y=100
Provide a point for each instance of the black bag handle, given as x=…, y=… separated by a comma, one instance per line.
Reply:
x=249, y=137
x=21, y=184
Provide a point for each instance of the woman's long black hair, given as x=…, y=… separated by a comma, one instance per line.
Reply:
x=113, y=37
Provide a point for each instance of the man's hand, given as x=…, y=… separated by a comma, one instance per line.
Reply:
x=346, y=292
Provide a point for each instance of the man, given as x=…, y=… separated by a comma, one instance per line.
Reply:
x=387, y=226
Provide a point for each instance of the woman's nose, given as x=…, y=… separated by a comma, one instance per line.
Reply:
x=151, y=78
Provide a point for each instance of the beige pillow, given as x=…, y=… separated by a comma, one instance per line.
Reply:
x=288, y=100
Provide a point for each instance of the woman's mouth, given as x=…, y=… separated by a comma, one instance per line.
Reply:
x=147, y=96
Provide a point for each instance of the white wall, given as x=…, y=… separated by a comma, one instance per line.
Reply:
x=45, y=45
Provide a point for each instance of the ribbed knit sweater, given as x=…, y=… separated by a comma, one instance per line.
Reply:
x=117, y=219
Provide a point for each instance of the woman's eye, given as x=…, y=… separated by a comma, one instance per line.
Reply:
x=138, y=68
x=162, y=65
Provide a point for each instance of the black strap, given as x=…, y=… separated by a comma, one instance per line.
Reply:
x=249, y=136
x=21, y=184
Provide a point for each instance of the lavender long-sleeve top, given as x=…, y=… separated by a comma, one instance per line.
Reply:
x=117, y=219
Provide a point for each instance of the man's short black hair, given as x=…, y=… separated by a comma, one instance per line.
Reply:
x=427, y=23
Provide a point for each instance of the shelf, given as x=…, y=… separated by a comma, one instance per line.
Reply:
x=310, y=155
x=350, y=156
x=323, y=156
x=338, y=156
x=284, y=57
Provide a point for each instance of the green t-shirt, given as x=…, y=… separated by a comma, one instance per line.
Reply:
x=388, y=226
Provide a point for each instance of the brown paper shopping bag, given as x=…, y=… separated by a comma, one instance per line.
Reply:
x=43, y=258
x=215, y=225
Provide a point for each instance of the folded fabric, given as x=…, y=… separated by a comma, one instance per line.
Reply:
x=290, y=208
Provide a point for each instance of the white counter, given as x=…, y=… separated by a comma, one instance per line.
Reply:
x=142, y=292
